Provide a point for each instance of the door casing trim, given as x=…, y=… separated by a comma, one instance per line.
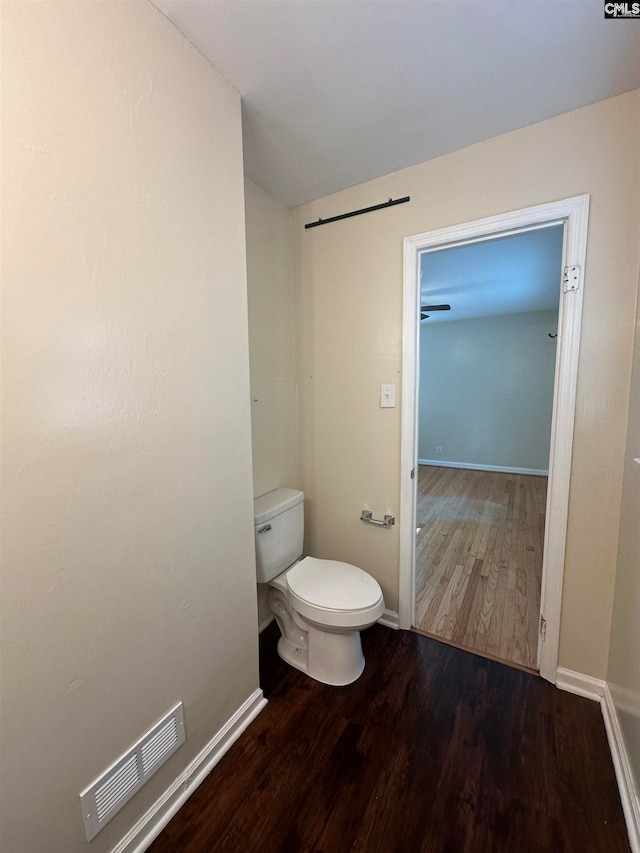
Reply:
x=574, y=214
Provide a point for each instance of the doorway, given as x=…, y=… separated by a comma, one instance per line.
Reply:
x=572, y=215
x=486, y=355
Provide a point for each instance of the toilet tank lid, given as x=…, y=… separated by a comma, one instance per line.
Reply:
x=273, y=503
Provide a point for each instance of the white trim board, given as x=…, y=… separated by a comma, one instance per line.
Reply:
x=598, y=690
x=579, y=684
x=573, y=213
x=390, y=619
x=151, y=824
x=622, y=767
x=265, y=623
x=473, y=466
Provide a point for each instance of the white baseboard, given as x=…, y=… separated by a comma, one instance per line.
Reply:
x=598, y=690
x=266, y=623
x=151, y=824
x=390, y=619
x=472, y=466
x=581, y=685
x=622, y=766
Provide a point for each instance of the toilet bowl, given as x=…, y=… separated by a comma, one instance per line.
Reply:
x=320, y=605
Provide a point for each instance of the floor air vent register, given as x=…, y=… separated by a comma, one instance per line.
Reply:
x=115, y=787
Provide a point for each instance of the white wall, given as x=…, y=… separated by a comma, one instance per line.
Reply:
x=274, y=416
x=127, y=555
x=348, y=285
x=486, y=390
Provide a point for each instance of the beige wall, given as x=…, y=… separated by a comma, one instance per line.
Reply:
x=274, y=417
x=624, y=655
x=127, y=556
x=348, y=285
x=274, y=425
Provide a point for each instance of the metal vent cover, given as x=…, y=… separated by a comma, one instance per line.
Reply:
x=116, y=787
x=107, y=795
x=158, y=747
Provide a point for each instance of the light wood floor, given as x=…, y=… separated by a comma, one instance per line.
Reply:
x=479, y=560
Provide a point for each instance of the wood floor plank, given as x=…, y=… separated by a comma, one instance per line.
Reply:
x=437, y=583
x=498, y=519
x=464, y=613
x=492, y=644
x=431, y=750
x=444, y=620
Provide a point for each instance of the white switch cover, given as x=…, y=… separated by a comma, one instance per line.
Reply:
x=387, y=396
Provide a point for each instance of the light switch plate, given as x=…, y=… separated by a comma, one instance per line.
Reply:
x=387, y=396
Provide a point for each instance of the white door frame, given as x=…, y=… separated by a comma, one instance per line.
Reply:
x=574, y=214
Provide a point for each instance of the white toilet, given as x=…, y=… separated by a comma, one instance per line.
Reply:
x=320, y=605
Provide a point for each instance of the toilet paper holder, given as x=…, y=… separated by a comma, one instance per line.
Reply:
x=367, y=517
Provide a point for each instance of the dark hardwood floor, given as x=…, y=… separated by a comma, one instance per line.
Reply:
x=432, y=749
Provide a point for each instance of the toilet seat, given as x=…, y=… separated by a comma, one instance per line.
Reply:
x=335, y=594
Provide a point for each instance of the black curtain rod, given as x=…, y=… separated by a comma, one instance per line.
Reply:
x=390, y=203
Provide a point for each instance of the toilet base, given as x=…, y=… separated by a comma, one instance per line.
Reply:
x=332, y=658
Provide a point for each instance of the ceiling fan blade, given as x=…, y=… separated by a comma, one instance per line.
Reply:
x=435, y=307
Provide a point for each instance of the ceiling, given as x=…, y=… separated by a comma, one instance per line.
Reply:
x=336, y=92
x=508, y=275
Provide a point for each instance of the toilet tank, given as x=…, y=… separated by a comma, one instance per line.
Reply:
x=279, y=531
